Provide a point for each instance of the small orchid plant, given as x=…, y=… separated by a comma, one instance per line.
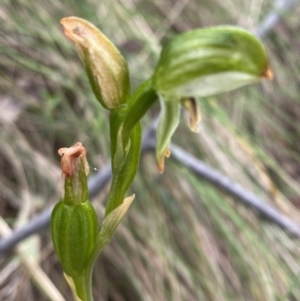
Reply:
x=194, y=64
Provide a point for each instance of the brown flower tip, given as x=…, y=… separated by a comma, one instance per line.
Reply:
x=191, y=107
x=69, y=157
x=76, y=29
x=268, y=74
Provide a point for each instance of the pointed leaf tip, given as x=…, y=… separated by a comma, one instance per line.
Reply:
x=160, y=160
x=167, y=124
x=113, y=219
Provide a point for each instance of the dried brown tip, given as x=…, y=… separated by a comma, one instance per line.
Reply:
x=161, y=165
x=69, y=156
x=167, y=153
x=160, y=161
x=268, y=74
x=192, y=109
x=75, y=29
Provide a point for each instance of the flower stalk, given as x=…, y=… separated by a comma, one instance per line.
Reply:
x=194, y=64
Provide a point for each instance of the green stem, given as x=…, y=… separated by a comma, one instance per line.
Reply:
x=124, y=175
x=83, y=286
x=125, y=132
x=143, y=98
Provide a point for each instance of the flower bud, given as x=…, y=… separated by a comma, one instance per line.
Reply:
x=74, y=224
x=105, y=66
x=74, y=230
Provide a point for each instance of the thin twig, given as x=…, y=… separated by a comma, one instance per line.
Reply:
x=235, y=190
x=272, y=19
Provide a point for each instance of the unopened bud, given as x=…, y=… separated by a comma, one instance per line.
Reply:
x=105, y=66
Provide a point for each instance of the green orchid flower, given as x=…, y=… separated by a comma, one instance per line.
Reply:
x=201, y=63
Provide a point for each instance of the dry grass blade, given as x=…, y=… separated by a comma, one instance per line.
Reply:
x=40, y=278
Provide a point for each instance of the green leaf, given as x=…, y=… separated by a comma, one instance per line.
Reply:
x=106, y=67
x=112, y=220
x=209, y=61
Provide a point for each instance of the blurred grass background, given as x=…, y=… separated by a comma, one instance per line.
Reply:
x=183, y=239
